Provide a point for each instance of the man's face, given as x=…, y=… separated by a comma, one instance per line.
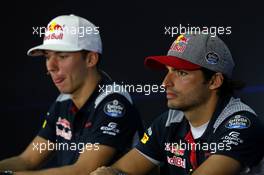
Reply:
x=186, y=90
x=67, y=69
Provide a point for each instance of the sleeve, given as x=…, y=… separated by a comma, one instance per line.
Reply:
x=151, y=144
x=48, y=128
x=241, y=139
x=115, y=123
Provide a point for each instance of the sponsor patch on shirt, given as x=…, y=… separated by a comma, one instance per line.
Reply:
x=63, y=128
x=232, y=138
x=114, y=109
x=177, y=161
x=149, y=131
x=110, y=129
x=145, y=138
x=238, y=122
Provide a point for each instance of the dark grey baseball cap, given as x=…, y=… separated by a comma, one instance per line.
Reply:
x=193, y=51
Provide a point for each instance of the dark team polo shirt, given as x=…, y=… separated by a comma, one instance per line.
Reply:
x=113, y=122
x=169, y=142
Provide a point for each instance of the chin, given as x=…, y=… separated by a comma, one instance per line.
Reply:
x=171, y=105
x=65, y=91
x=174, y=106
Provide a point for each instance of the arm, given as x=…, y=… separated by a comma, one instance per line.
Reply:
x=144, y=157
x=31, y=158
x=88, y=161
x=113, y=133
x=242, y=147
x=133, y=163
x=219, y=165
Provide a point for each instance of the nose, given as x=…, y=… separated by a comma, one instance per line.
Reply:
x=167, y=81
x=52, y=64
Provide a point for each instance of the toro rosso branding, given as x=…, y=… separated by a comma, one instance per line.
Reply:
x=114, y=109
x=63, y=128
x=238, y=122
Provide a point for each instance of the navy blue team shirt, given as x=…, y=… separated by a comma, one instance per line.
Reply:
x=234, y=131
x=108, y=119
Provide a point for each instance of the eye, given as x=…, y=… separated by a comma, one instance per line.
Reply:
x=181, y=73
x=63, y=55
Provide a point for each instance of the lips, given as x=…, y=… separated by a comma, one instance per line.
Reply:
x=171, y=95
x=58, y=80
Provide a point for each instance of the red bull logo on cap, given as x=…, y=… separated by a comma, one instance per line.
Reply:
x=180, y=44
x=54, y=26
x=54, y=31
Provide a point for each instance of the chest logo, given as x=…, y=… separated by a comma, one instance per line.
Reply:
x=177, y=161
x=63, y=128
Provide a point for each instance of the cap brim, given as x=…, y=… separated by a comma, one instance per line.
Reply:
x=160, y=63
x=38, y=50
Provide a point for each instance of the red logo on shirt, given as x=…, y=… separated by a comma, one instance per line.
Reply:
x=177, y=161
x=63, y=128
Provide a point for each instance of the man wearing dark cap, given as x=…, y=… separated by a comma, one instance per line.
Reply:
x=88, y=125
x=206, y=131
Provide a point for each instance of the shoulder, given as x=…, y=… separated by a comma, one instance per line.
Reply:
x=62, y=100
x=236, y=114
x=242, y=120
x=168, y=119
x=243, y=124
x=59, y=106
x=110, y=90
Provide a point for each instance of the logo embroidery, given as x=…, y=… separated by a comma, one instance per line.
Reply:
x=238, y=122
x=63, y=128
x=114, y=109
x=180, y=44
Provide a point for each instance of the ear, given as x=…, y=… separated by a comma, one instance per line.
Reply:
x=91, y=59
x=216, y=81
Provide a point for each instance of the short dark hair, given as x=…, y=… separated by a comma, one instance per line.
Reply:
x=85, y=52
x=228, y=87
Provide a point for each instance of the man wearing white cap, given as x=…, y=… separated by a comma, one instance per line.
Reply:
x=89, y=123
x=206, y=130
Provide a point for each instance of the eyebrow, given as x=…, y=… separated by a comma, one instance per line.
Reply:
x=55, y=52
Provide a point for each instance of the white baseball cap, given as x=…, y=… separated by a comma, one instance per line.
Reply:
x=69, y=33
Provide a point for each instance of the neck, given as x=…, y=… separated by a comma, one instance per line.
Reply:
x=82, y=95
x=203, y=113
